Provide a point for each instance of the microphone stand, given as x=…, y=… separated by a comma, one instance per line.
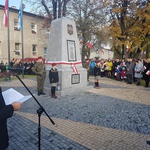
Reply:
x=39, y=112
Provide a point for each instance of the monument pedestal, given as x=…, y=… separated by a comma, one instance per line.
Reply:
x=63, y=49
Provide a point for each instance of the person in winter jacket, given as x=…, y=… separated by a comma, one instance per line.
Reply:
x=54, y=79
x=130, y=67
x=92, y=65
x=138, y=71
x=97, y=73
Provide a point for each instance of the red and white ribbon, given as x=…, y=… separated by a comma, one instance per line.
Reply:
x=73, y=64
x=74, y=68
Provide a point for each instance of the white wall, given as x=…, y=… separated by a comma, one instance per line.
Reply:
x=102, y=54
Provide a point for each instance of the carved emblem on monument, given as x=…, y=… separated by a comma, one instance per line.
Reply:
x=70, y=29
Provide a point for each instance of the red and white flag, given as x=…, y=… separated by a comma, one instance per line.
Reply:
x=5, y=21
x=144, y=68
x=148, y=73
x=89, y=45
x=81, y=42
x=102, y=51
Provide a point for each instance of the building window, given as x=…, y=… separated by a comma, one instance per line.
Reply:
x=17, y=48
x=34, y=50
x=45, y=50
x=33, y=28
x=16, y=24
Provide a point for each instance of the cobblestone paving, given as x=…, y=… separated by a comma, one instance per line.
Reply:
x=114, y=117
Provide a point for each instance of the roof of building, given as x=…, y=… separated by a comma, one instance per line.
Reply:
x=15, y=10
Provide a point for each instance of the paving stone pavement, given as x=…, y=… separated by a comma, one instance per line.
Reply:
x=114, y=117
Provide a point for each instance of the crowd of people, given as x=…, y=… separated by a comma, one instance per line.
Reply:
x=129, y=71
x=35, y=68
x=28, y=65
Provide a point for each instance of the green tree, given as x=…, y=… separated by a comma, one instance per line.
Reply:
x=120, y=12
x=129, y=25
x=140, y=32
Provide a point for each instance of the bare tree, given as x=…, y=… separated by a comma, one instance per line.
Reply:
x=89, y=18
x=57, y=8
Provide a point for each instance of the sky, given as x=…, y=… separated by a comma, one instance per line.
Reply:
x=16, y=3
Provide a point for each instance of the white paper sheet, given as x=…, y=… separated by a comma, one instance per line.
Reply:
x=12, y=95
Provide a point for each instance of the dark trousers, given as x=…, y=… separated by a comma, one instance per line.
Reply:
x=147, y=79
x=129, y=78
x=53, y=89
x=91, y=71
x=102, y=74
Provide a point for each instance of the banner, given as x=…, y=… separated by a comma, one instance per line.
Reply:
x=73, y=64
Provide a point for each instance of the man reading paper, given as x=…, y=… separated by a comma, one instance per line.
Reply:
x=6, y=111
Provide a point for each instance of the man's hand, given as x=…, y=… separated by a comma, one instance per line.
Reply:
x=16, y=105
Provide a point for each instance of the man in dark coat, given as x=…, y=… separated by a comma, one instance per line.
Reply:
x=6, y=111
x=54, y=79
x=130, y=70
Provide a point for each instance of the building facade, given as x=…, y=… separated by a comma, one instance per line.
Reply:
x=102, y=54
x=35, y=37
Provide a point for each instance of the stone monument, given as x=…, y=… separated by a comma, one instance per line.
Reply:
x=63, y=49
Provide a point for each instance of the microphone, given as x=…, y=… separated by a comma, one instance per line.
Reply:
x=14, y=68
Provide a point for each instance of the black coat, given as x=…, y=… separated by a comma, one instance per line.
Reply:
x=6, y=111
x=145, y=76
x=53, y=76
x=97, y=71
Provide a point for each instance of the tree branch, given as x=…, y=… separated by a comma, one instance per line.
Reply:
x=45, y=6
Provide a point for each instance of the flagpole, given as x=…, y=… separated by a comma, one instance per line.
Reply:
x=22, y=42
x=8, y=32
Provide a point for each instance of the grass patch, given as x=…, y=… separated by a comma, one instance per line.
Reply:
x=6, y=78
x=143, y=82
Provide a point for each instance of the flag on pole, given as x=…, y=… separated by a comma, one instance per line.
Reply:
x=148, y=73
x=5, y=20
x=89, y=45
x=20, y=18
x=102, y=51
x=81, y=42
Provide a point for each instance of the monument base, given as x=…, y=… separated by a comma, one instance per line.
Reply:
x=69, y=82
x=64, y=50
